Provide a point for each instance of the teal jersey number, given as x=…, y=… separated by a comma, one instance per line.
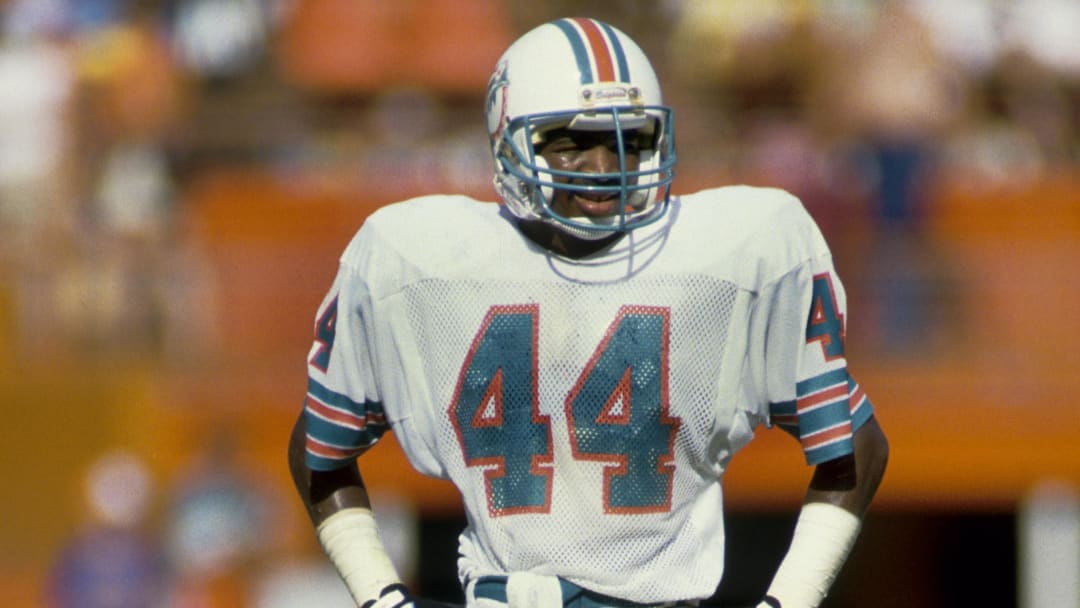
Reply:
x=495, y=412
x=617, y=412
x=325, y=331
x=825, y=324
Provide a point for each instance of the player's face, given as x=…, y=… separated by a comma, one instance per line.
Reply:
x=589, y=152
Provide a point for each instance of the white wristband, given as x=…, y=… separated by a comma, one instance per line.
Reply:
x=351, y=541
x=824, y=535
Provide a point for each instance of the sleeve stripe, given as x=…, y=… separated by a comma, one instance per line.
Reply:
x=825, y=435
x=339, y=428
x=784, y=415
x=322, y=450
x=861, y=407
x=343, y=418
x=782, y=408
x=826, y=380
x=858, y=401
x=822, y=398
x=334, y=415
x=342, y=402
x=827, y=411
x=339, y=410
x=828, y=452
x=857, y=395
x=827, y=444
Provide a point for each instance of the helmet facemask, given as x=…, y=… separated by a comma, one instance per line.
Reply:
x=579, y=75
x=528, y=184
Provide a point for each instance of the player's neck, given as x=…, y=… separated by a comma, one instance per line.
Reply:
x=567, y=245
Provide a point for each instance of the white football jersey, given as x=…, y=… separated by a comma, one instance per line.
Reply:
x=586, y=409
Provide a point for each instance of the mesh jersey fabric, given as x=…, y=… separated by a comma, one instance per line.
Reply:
x=586, y=409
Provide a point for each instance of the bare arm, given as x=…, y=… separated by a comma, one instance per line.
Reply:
x=829, y=522
x=852, y=481
x=323, y=492
x=340, y=509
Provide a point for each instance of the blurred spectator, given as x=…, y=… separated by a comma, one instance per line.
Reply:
x=753, y=49
x=1046, y=30
x=311, y=581
x=35, y=105
x=112, y=561
x=1040, y=74
x=361, y=47
x=787, y=152
x=966, y=32
x=740, y=64
x=890, y=95
x=98, y=286
x=220, y=526
x=894, y=95
x=301, y=583
x=221, y=39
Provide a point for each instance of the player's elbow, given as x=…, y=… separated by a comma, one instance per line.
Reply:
x=872, y=453
x=296, y=453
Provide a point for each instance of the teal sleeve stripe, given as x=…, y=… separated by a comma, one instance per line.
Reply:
x=783, y=408
x=825, y=380
x=824, y=417
x=830, y=451
x=317, y=463
x=784, y=415
x=863, y=414
x=339, y=400
x=343, y=437
x=338, y=428
x=862, y=409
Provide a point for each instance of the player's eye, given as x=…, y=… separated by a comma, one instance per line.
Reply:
x=562, y=144
x=564, y=141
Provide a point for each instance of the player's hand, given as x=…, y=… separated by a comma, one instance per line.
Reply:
x=391, y=596
x=398, y=596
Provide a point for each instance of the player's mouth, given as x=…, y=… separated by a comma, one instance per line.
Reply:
x=602, y=204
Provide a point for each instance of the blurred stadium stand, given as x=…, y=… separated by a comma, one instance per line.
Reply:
x=154, y=334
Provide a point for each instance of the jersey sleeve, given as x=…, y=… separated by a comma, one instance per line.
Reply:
x=810, y=392
x=343, y=411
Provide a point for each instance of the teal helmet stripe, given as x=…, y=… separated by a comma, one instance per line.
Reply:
x=617, y=52
x=595, y=42
x=581, y=56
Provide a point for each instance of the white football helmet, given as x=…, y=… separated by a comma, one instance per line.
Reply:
x=579, y=74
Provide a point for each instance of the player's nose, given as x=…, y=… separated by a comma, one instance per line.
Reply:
x=600, y=159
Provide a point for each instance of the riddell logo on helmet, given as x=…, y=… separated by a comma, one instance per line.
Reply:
x=609, y=93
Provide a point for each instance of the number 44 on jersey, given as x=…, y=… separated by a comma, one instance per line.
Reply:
x=617, y=412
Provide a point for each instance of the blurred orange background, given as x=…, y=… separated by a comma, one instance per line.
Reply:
x=177, y=180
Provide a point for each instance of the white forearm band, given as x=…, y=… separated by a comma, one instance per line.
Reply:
x=351, y=541
x=820, y=545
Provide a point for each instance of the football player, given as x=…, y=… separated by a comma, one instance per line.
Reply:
x=583, y=360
